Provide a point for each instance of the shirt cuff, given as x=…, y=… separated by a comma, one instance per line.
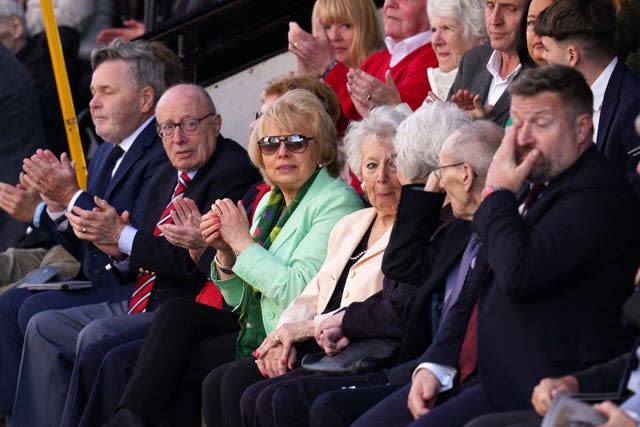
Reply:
x=125, y=242
x=37, y=213
x=445, y=374
x=72, y=202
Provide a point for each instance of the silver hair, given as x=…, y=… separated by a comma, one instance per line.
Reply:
x=475, y=144
x=420, y=137
x=382, y=123
x=9, y=8
x=144, y=66
x=470, y=13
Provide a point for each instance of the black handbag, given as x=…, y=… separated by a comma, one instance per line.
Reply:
x=363, y=355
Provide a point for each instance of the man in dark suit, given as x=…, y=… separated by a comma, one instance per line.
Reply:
x=486, y=71
x=580, y=34
x=127, y=81
x=22, y=133
x=417, y=254
x=204, y=167
x=553, y=270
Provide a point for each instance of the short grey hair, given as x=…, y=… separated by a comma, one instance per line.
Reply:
x=382, y=123
x=420, y=137
x=145, y=68
x=470, y=13
x=475, y=144
x=9, y=8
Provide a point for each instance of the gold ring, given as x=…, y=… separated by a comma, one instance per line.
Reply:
x=295, y=44
x=83, y=229
x=368, y=97
x=277, y=338
x=39, y=181
x=219, y=210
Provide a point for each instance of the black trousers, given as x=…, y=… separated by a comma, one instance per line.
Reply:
x=186, y=341
x=225, y=390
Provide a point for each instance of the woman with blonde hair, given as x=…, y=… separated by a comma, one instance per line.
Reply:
x=344, y=31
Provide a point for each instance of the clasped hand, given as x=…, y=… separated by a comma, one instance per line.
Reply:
x=367, y=92
x=226, y=227
x=102, y=225
x=313, y=54
x=277, y=353
x=54, y=179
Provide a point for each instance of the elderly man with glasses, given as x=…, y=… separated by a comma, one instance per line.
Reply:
x=162, y=252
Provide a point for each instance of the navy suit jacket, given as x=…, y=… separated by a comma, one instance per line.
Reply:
x=227, y=174
x=550, y=285
x=127, y=190
x=616, y=130
x=22, y=133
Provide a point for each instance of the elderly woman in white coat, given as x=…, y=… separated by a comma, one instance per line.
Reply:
x=351, y=272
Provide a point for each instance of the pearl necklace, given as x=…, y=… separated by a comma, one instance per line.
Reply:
x=358, y=256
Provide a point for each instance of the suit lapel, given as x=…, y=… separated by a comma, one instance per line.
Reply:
x=609, y=105
x=135, y=152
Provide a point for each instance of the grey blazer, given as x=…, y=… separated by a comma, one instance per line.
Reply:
x=473, y=76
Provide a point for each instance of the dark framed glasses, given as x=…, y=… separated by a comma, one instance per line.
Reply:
x=187, y=126
x=294, y=143
x=438, y=171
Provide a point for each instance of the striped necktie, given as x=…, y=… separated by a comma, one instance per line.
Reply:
x=144, y=283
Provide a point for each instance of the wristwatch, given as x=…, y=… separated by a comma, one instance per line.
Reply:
x=487, y=191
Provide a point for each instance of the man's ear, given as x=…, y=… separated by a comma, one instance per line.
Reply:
x=573, y=55
x=584, y=128
x=468, y=177
x=147, y=99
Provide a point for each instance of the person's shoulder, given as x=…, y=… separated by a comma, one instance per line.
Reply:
x=479, y=54
x=328, y=192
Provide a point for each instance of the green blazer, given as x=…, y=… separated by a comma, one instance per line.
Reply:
x=294, y=258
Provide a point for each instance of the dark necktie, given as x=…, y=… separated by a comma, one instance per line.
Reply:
x=463, y=272
x=468, y=358
x=107, y=170
x=534, y=192
x=144, y=283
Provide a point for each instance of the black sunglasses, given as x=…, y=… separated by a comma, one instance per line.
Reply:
x=294, y=143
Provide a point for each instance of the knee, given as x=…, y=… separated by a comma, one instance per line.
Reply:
x=29, y=308
x=325, y=410
x=39, y=325
x=90, y=334
x=285, y=406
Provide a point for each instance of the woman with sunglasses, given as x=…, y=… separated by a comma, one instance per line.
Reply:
x=260, y=268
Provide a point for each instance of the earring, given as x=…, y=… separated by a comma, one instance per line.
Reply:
x=363, y=186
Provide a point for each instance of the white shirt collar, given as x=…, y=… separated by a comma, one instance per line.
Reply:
x=191, y=174
x=126, y=143
x=599, y=87
x=494, y=64
x=404, y=47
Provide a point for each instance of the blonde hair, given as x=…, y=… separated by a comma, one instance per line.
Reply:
x=367, y=35
x=290, y=112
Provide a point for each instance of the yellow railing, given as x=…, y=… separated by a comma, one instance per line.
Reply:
x=64, y=91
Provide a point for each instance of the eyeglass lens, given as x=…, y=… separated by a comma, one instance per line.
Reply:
x=294, y=143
